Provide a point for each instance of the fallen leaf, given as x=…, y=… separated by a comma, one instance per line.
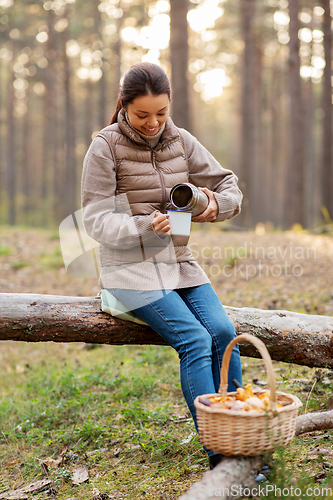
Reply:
x=50, y=462
x=13, y=462
x=188, y=439
x=99, y=450
x=80, y=475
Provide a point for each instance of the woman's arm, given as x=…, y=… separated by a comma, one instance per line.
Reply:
x=205, y=171
x=99, y=201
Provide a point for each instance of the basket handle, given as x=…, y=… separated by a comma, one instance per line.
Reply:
x=266, y=358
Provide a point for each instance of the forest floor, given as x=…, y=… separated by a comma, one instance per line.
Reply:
x=115, y=412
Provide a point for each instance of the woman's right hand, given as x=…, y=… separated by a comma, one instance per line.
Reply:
x=161, y=223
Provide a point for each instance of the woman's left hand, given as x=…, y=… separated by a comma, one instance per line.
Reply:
x=210, y=213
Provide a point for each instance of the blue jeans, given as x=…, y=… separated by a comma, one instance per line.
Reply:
x=194, y=322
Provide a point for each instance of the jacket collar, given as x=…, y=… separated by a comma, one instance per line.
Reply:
x=169, y=134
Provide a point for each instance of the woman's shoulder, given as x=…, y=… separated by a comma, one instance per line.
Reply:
x=186, y=135
x=109, y=130
x=190, y=142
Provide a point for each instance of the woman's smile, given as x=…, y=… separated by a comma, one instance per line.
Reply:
x=151, y=130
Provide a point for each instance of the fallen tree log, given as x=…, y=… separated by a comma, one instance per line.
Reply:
x=314, y=421
x=233, y=477
x=291, y=337
x=227, y=480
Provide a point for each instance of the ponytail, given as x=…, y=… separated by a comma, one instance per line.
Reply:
x=116, y=111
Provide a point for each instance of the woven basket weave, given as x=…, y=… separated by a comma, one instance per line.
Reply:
x=244, y=433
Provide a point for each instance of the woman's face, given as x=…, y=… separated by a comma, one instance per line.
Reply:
x=148, y=113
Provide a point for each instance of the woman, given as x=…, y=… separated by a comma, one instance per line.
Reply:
x=128, y=173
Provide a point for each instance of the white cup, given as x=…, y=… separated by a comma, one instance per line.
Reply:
x=180, y=222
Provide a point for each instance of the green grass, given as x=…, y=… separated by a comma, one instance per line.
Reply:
x=51, y=259
x=120, y=412
x=18, y=264
x=121, y=398
x=5, y=250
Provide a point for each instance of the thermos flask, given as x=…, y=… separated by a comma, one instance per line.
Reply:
x=187, y=197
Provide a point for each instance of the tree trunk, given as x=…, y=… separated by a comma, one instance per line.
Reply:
x=276, y=190
x=295, y=182
x=314, y=422
x=11, y=166
x=2, y=135
x=51, y=125
x=179, y=62
x=291, y=337
x=101, y=115
x=259, y=161
x=327, y=163
x=310, y=173
x=28, y=162
x=70, y=156
x=248, y=111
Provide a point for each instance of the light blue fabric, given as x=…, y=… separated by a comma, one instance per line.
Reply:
x=114, y=307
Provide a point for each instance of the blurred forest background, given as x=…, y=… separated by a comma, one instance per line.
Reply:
x=252, y=81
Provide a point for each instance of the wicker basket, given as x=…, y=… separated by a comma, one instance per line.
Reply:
x=234, y=433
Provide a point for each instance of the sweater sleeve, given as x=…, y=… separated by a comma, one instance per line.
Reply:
x=107, y=217
x=205, y=171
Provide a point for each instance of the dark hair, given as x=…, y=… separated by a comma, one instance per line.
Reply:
x=142, y=79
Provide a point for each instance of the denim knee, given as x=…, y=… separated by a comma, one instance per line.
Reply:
x=229, y=331
x=197, y=346
x=223, y=331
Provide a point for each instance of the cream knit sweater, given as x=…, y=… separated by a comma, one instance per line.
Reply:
x=152, y=275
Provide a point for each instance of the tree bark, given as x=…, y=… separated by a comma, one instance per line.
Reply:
x=11, y=135
x=295, y=174
x=327, y=107
x=70, y=188
x=27, y=161
x=49, y=170
x=227, y=480
x=179, y=62
x=314, y=422
x=248, y=140
x=290, y=337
